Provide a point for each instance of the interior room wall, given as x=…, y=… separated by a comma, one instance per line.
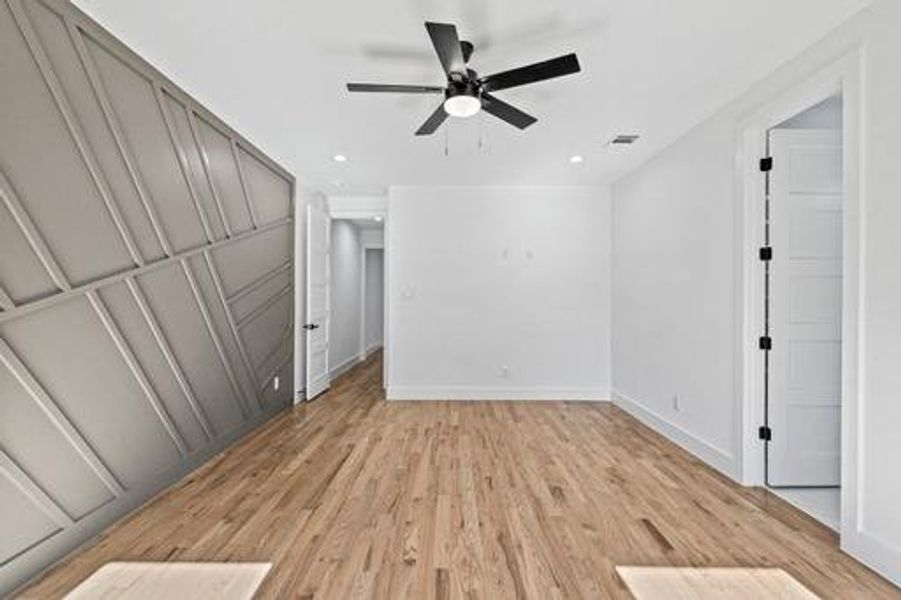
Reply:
x=498, y=292
x=675, y=274
x=374, y=299
x=345, y=296
x=145, y=284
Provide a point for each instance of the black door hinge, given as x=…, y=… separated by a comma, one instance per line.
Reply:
x=766, y=164
x=765, y=433
x=766, y=343
x=766, y=253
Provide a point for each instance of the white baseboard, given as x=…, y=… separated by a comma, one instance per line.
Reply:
x=876, y=553
x=720, y=460
x=398, y=392
x=345, y=366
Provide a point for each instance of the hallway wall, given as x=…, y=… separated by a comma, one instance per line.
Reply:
x=374, y=305
x=345, y=300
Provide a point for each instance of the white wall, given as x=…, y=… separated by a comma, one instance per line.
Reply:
x=373, y=238
x=675, y=279
x=482, y=279
x=825, y=115
x=353, y=207
x=346, y=293
x=373, y=299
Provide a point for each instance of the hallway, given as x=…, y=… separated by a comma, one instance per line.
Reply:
x=353, y=496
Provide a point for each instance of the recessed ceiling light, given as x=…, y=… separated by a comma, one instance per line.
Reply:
x=338, y=184
x=377, y=219
x=339, y=158
x=576, y=159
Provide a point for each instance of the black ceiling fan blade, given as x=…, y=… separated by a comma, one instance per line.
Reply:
x=447, y=45
x=506, y=112
x=555, y=67
x=433, y=122
x=394, y=89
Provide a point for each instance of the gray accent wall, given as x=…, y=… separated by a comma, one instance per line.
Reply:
x=146, y=254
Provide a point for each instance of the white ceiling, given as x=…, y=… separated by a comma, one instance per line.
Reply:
x=368, y=224
x=275, y=70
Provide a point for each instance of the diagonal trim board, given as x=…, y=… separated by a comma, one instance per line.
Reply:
x=675, y=583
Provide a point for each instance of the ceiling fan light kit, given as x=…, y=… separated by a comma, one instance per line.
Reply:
x=462, y=101
x=466, y=93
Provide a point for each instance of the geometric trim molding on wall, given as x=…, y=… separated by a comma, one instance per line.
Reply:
x=146, y=260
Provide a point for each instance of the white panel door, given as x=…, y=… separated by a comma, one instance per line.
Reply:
x=317, y=317
x=805, y=308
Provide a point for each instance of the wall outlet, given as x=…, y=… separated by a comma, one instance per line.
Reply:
x=677, y=403
x=275, y=383
x=503, y=372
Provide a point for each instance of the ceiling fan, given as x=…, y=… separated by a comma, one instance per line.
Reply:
x=466, y=93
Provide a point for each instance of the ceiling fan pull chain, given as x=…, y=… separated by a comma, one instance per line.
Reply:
x=481, y=145
x=446, y=152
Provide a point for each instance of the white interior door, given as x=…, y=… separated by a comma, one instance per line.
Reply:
x=317, y=317
x=805, y=308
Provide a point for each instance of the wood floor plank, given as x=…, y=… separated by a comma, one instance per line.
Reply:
x=352, y=496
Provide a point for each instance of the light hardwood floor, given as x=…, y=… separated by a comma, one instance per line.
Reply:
x=351, y=496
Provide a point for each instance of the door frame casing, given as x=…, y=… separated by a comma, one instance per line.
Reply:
x=841, y=77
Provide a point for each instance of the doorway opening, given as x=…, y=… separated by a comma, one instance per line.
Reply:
x=802, y=262
x=356, y=294
x=372, y=303
x=799, y=349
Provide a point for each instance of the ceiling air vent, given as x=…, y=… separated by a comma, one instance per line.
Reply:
x=624, y=139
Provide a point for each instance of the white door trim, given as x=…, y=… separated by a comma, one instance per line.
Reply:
x=843, y=76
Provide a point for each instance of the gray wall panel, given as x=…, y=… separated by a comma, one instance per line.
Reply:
x=242, y=263
x=42, y=162
x=171, y=300
x=138, y=111
x=254, y=298
x=22, y=523
x=229, y=340
x=224, y=172
x=142, y=246
x=267, y=190
x=265, y=331
x=67, y=349
x=195, y=171
x=140, y=337
x=51, y=463
x=21, y=274
x=283, y=369
x=272, y=361
x=68, y=66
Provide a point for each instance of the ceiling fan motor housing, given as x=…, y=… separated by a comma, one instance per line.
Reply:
x=468, y=87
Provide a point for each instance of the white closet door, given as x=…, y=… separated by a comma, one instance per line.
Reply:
x=317, y=317
x=805, y=305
